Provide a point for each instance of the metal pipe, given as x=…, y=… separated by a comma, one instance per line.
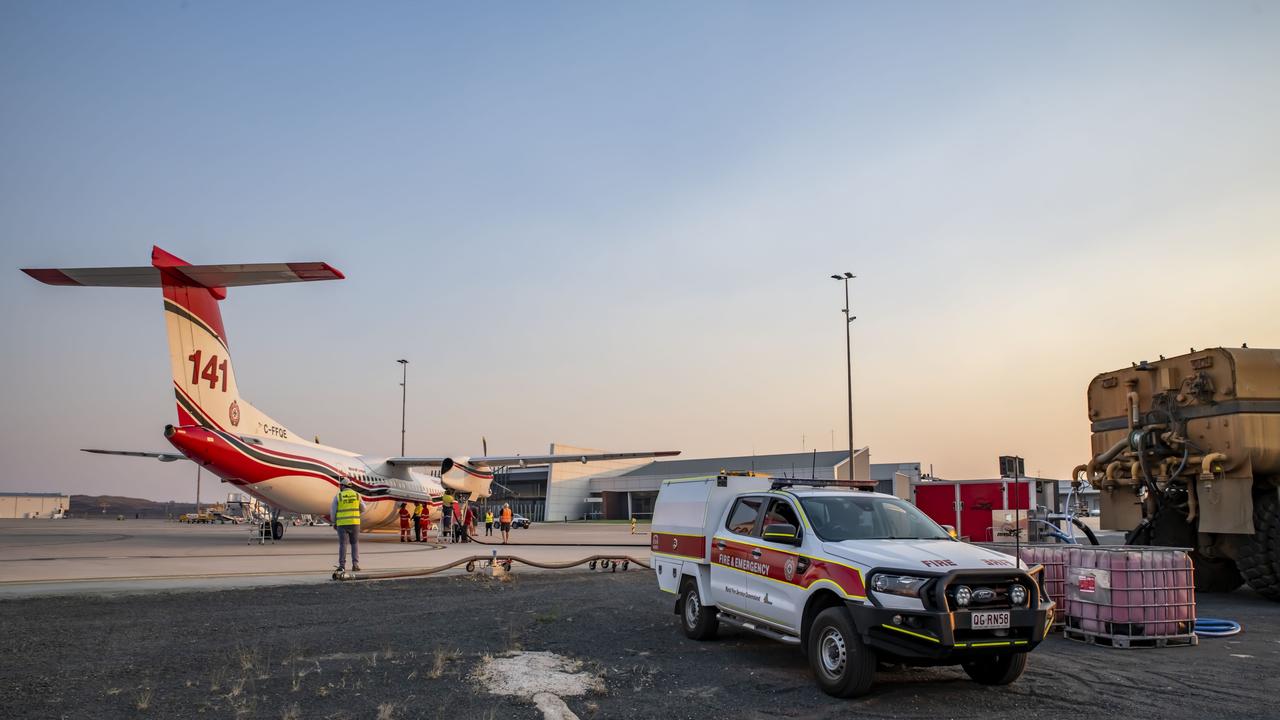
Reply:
x=1132, y=399
x=1075, y=477
x=1193, y=504
x=1206, y=469
x=1092, y=467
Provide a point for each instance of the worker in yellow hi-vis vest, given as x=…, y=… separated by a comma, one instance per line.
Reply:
x=345, y=510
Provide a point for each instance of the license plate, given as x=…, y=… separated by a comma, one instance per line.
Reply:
x=997, y=620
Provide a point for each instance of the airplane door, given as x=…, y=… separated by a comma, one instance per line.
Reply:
x=731, y=550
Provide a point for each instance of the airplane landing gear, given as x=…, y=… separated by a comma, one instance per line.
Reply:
x=277, y=527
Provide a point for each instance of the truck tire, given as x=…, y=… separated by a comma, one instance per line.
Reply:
x=698, y=621
x=842, y=664
x=1259, y=559
x=997, y=669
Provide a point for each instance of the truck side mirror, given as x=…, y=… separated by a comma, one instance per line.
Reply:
x=782, y=533
x=951, y=530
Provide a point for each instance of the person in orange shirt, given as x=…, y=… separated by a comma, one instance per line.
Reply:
x=404, y=523
x=505, y=518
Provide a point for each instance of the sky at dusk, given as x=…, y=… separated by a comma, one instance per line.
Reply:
x=613, y=224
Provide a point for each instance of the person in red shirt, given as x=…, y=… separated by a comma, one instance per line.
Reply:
x=426, y=523
x=404, y=523
x=469, y=523
x=457, y=522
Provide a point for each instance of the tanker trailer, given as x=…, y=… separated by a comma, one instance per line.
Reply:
x=1186, y=453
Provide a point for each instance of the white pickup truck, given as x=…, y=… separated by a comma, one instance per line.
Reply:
x=851, y=577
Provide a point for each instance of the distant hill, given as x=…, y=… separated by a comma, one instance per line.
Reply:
x=82, y=505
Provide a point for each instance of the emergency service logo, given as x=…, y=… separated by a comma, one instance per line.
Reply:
x=234, y=412
x=789, y=568
x=653, y=543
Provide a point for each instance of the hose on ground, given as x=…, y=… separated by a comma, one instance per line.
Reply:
x=1216, y=627
x=609, y=561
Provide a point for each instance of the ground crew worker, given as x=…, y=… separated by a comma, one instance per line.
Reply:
x=633, y=526
x=425, y=526
x=488, y=522
x=457, y=520
x=469, y=522
x=446, y=516
x=505, y=517
x=417, y=522
x=345, y=510
x=403, y=512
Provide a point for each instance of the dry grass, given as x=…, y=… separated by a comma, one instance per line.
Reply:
x=293, y=712
x=249, y=658
x=143, y=699
x=513, y=641
x=386, y=711
x=441, y=658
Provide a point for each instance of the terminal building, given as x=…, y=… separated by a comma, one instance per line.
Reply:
x=621, y=489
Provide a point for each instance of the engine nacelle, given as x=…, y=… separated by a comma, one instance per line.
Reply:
x=459, y=474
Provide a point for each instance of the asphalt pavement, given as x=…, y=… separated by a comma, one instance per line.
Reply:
x=414, y=649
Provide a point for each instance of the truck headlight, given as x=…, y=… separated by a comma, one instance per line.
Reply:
x=904, y=585
x=963, y=595
x=1018, y=595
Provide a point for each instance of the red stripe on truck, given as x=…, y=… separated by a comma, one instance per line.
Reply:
x=784, y=567
x=689, y=546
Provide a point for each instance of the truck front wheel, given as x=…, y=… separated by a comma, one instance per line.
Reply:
x=997, y=669
x=698, y=620
x=842, y=664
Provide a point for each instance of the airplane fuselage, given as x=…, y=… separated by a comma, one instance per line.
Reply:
x=304, y=477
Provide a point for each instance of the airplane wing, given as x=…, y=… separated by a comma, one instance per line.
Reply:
x=523, y=460
x=162, y=457
x=416, y=461
x=206, y=276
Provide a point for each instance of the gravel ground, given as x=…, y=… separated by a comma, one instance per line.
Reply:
x=409, y=649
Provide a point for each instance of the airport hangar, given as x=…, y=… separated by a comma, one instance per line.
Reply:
x=32, y=504
x=621, y=489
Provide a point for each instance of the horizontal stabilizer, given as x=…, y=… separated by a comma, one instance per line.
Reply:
x=523, y=460
x=205, y=276
x=162, y=457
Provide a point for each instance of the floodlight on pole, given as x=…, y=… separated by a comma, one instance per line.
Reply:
x=404, y=390
x=848, y=359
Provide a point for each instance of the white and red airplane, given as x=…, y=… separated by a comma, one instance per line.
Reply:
x=221, y=431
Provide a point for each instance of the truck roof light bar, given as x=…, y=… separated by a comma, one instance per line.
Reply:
x=779, y=483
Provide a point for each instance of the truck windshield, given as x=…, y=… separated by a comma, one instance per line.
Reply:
x=849, y=517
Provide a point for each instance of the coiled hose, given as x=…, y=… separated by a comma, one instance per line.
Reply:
x=606, y=562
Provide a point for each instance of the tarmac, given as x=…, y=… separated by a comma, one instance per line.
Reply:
x=102, y=618
x=50, y=557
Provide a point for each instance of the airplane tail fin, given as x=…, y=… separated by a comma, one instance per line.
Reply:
x=204, y=378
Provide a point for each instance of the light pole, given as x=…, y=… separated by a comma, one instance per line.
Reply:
x=848, y=360
x=404, y=395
